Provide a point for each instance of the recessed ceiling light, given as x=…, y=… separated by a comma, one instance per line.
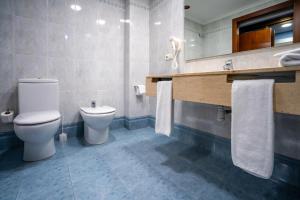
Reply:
x=76, y=7
x=157, y=23
x=125, y=21
x=100, y=22
x=286, y=25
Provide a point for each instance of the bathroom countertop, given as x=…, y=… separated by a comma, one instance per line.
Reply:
x=215, y=87
x=245, y=71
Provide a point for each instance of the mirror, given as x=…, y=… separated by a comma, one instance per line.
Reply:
x=214, y=27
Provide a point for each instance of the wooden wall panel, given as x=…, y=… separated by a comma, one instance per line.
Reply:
x=294, y=4
x=296, y=21
x=256, y=39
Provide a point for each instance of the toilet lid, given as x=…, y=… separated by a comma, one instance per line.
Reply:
x=98, y=110
x=31, y=118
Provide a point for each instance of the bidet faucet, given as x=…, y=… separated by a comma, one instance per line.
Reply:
x=228, y=65
x=93, y=104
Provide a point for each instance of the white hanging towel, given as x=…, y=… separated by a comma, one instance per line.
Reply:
x=164, y=108
x=252, y=128
x=289, y=58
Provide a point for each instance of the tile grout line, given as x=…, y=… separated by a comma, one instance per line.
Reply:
x=161, y=176
x=66, y=160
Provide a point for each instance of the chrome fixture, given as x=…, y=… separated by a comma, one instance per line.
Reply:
x=228, y=65
x=221, y=113
x=93, y=104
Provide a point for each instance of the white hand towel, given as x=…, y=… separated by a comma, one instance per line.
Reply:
x=252, y=128
x=164, y=108
x=297, y=51
x=290, y=59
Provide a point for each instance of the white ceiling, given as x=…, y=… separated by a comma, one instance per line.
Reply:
x=207, y=11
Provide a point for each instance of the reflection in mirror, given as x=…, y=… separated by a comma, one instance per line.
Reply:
x=214, y=27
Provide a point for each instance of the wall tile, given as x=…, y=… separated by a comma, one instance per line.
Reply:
x=60, y=40
x=60, y=12
x=29, y=66
x=6, y=33
x=30, y=36
x=89, y=64
x=6, y=75
x=69, y=107
x=6, y=6
x=62, y=69
x=35, y=9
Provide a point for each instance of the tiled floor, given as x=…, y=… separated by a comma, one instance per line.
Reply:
x=135, y=165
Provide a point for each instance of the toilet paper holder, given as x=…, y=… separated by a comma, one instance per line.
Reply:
x=7, y=116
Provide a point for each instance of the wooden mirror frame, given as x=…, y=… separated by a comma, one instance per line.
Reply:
x=290, y=4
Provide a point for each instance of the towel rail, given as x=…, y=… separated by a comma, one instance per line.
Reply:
x=279, y=77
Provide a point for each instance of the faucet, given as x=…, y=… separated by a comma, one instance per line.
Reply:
x=228, y=65
x=93, y=104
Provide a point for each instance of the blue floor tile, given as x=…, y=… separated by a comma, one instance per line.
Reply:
x=133, y=165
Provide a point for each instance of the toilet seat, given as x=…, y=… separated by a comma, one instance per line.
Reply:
x=98, y=110
x=35, y=118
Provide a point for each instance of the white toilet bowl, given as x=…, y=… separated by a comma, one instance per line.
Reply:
x=38, y=118
x=37, y=130
x=96, y=123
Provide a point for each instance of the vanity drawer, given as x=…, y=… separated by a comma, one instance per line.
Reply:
x=212, y=89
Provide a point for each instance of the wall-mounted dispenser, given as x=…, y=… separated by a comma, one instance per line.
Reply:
x=7, y=116
x=139, y=90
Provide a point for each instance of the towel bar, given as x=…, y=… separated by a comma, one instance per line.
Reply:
x=279, y=77
x=161, y=79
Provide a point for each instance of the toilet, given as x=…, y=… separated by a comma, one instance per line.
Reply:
x=96, y=123
x=39, y=117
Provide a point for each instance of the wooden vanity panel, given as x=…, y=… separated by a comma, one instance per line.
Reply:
x=212, y=89
x=215, y=88
x=150, y=87
x=287, y=97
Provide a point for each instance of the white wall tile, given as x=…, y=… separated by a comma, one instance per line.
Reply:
x=35, y=9
x=30, y=36
x=46, y=38
x=6, y=33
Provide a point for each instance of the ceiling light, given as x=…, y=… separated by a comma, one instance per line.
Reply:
x=100, y=22
x=75, y=7
x=286, y=25
x=125, y=21
x=157, y=23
